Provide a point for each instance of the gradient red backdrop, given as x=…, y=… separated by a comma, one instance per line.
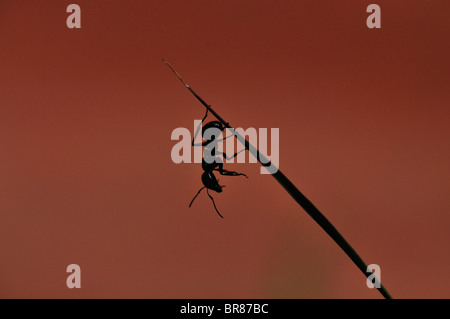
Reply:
x=86, y=175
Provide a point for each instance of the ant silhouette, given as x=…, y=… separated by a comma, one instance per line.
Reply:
x=211, y=162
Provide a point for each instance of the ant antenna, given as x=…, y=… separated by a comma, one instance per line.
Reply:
x=213, y=203
x=192, y=201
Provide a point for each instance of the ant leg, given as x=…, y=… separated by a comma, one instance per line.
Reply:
x=228, y=173
x=206, y=114
x=225, y=137
x=192, y=201
x=213, y=203
x=232, y=156
x=198, y=130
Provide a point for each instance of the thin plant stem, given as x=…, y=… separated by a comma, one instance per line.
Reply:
x=301, y=199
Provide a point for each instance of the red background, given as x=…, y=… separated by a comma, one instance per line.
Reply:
x=86, y=175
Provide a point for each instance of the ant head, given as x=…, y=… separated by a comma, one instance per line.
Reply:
x=217, y=188
x=214, y=127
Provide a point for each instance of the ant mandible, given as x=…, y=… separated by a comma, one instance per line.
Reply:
x=210, y=162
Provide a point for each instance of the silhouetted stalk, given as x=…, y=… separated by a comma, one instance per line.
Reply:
x=301, y=199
